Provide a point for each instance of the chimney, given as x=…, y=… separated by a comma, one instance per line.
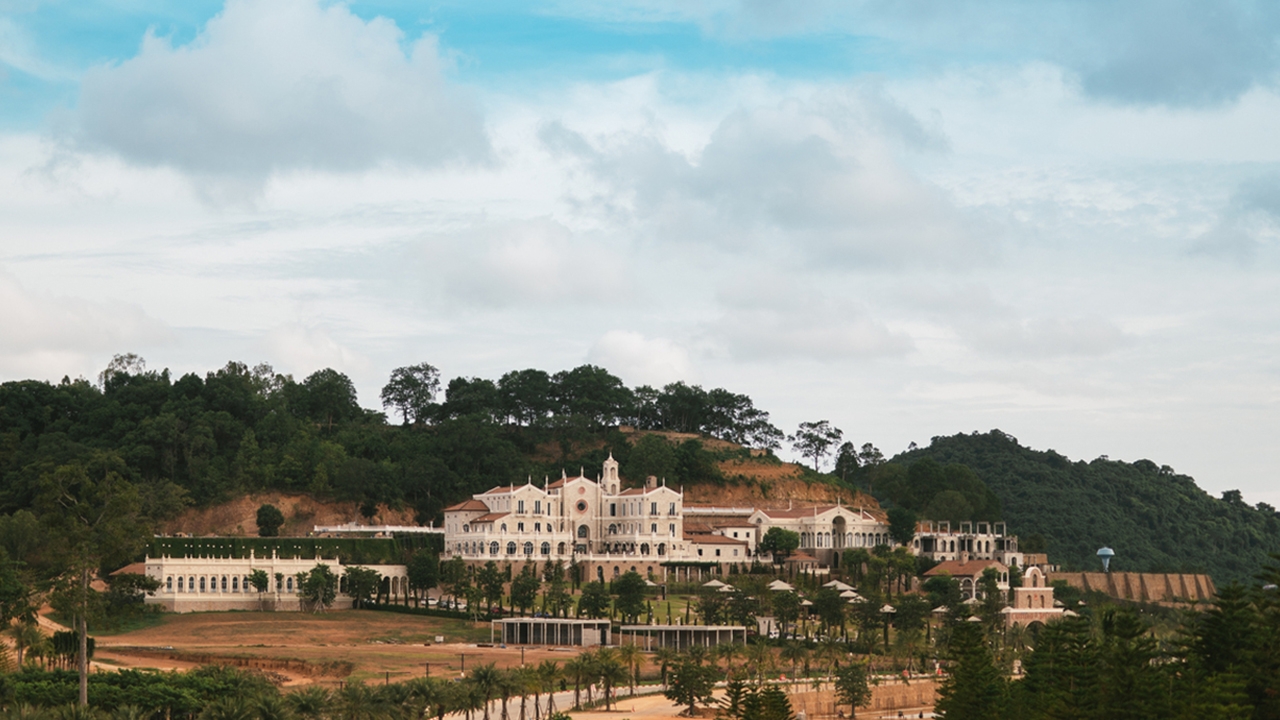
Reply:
x=651, y=482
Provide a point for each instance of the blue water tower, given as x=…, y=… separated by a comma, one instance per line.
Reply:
x=1105, y=554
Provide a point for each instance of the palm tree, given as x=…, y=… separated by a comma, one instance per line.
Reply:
x=665, y=657
x=232, y=707
x=25, y=635
x=794, y=652
x=576, y=668
x=727, y=652
x=310, y=703
x=548, y=673
x=633, y=658
x=761, y=657
x=508, y=685
x=486, y=679
x=267, y=706
x=611, y=671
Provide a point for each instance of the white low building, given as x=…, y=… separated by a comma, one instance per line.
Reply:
x=200, y=584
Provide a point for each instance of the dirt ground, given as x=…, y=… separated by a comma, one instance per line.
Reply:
x=305, y=648
x=301, y=514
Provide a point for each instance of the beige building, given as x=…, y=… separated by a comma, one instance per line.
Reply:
x=204, y=584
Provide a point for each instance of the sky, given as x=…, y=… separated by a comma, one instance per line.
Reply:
x=909, y=218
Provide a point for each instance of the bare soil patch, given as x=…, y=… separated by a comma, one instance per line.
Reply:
x=301, y=513
x=308, y=648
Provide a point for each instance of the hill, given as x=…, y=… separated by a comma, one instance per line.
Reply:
x=1154, y=518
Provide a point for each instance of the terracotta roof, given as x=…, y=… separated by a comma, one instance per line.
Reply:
x=490, y=517
x=713, y=540
x=468, y=505
x=132, y=569
x=968, y=568
x=632, y=491
x=801, y=557
x=556, y=484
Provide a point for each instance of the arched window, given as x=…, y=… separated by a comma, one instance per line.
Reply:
x=616, y=572
x=613, y=529
x=528, y=548
x=560, y=549
x=511, y=548
x=224, y=583
x=582, y=531
x=653, y=528
x=504, y=527
x=235, y=584
x=179, y=584
x=201, y=583
x=644, y=548
x=288, y=584
x=168, y=583
x=493, y=548
x=546, y=548
x=662, y=548
x=191, y=583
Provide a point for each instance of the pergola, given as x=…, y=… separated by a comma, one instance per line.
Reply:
x=554, y=631
x=685, y=636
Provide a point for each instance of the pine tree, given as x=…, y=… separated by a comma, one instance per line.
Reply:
x=976, y=689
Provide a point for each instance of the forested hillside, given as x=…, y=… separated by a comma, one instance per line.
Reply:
x=201, y=439
x=1154, y=518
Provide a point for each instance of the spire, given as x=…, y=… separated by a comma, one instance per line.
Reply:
x=563, y=474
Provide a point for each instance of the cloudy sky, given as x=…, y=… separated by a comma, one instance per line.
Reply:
x=911, y=218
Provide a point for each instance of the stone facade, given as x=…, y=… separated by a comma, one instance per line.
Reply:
x=219, y=583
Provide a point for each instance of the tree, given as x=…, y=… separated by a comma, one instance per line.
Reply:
x=846, y=461
x=594, y=602
x=786, y=608
x=779, y=543
x=851, y=686
x=902, y=525
x=814, y=440
x=975, y=689
x=630, y=589
x=690, y=683
x=261, y=582
x=318, y=588
x=491, y=583
x=362, y=584
x=412, y=392
x=94, y=516
x=423, y=572
x=269, y=520
x=524, y=589
x=329, y=397
x=555, y=599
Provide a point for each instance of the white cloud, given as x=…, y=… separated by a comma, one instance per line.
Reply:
x=641, y=360
x=44, y=335
x=277, y=86
x=819, y=177
x=303, y=349
x=769, y=318
x=516, y=262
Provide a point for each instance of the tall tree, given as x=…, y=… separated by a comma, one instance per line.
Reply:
x=411, y=391
x=815, y=440
x=95, y=516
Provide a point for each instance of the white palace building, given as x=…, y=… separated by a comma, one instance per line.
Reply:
x=609, y=530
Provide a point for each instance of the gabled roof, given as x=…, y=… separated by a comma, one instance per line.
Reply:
x=632, y=491
x=968, y=568
x=132, y=569
x=472, y=504
x=490, y=517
